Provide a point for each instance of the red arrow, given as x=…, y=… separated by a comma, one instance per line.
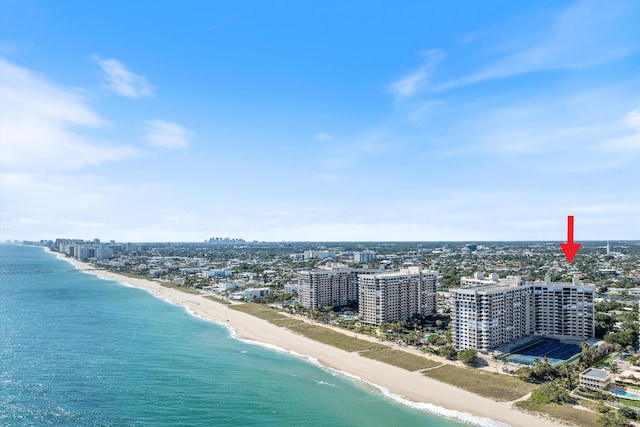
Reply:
x=570, y=249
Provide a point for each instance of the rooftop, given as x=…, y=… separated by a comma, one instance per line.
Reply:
x=595, y=373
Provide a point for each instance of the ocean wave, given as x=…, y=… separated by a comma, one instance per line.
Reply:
x=326, y=383
x=464, y=417
x=461, y=416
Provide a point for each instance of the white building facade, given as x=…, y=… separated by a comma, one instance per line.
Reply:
x=335, y=287
x=595, y=379
x=364, y=256
x=485, y=316
x=396, y=296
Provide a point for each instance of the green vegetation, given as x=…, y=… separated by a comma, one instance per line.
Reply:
x=608, y=360
x=258, y=310
x=611, y=419
x=449, y=352
x=629, y=402
x=629, y=413
x=314, y=332
x=399, y=358
x=488, y=384
x=218, y=299
x=552, y=398
x=566, y=413
x=468, y=356
x=179, y=287
x=336, y=339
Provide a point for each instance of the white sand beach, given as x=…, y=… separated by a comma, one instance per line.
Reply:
x=412, y=386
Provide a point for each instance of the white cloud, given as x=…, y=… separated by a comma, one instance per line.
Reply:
x=122, y=81
x=412, y=83
x=632, y=119
x=409, y=85
x=161, y=133
x=630, y=142
x=42, y=125
x=586, y=34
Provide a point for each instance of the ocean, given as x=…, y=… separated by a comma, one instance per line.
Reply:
x=77, y=350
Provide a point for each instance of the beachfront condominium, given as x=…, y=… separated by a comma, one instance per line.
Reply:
x=479, y=279
x=487, y=315
x=331, y=286
x=396, y=296
x=563, y=309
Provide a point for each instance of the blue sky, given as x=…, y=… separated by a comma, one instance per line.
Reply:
x=321, y=121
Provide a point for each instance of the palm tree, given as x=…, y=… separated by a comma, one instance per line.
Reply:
x=569, y=373
x=614, y=369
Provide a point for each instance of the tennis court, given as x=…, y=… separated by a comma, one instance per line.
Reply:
x=555, y=351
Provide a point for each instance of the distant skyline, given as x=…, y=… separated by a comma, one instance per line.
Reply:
x=330, y=121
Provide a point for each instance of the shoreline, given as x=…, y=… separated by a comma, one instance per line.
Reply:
x=409, y=388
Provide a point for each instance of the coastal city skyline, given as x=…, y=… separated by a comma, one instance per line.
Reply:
x=513, y=324
x=301, y=122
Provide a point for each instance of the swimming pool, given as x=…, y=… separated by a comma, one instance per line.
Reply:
x=625, y=394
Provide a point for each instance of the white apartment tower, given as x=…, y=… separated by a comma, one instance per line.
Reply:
x=563, y=309
x=485, y=316
x=329, y=287
x=395, y=296
x=364, y=256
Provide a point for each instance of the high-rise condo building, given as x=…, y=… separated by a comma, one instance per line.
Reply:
x=487, y=315
x=337, y=286
x=396, y=296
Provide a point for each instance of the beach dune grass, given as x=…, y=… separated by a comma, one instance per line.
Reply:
x=401, y=359
x=314, y=332
x=179, y=287
x=265, y=312
x=488, y=384
x=565, y=413
x=218, y=299
x=336, y=339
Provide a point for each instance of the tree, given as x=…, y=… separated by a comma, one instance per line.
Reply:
x=556, y=393
x=610, y=419
x=589, y=355
x=569, y=374
x=604, y=324
x=448, y=336
x=433, y=339
x=628, y=413
x=614, y=369
x=468, y=356
x=524, y=373
x=189, y=281
x=623, y=338
x=542, y=370
x=449, y=352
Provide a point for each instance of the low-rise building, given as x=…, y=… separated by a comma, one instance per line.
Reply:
x=291, y=289
x=227, y=286
x=595, y=379
x=251, y=293
x=216, y=273
x=319, y=254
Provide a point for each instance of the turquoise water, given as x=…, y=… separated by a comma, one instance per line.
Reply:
x=625, y=394
x=77, y=350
